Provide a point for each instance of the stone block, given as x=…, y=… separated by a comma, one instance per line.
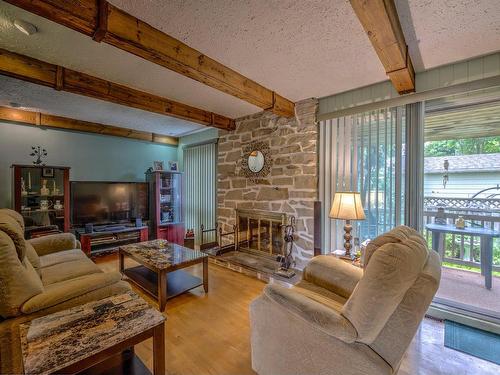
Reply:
x=305, y=212
x=244, y=205
x=304, y=158
x=309, y=169
x=264, y=132
x=276, y=207
x=276, y=171
x=250, y=196
x=224, y=212
x=282, y=160
x=234, y=195
x=305, y=182
x=233, y=156
x=247, y=126
x=282, y=181
x=224, y=146
x=224, y=184
x=261, y=206
x=303, y=194
x=285, y=207
x=292, y=149
x=238, y=183
x=272, y=194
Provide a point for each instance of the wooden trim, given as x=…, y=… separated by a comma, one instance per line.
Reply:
x=60, y=78
x=57, y=122
x=107, y=23
x=381, y=23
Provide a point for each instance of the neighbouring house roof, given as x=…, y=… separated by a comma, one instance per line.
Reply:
x=463, y=163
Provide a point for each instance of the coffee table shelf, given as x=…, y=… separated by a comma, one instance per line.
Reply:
x=160, y=268
x=178, y=282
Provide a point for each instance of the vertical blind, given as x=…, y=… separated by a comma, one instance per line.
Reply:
x=200, y=187
x=363, y=152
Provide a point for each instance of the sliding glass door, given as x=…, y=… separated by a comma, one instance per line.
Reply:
x=462, y=198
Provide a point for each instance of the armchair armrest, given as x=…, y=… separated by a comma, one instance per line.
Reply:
x=54, y=243
x=320, y=316
x=333, y=274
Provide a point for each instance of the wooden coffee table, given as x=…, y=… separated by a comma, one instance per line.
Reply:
x=88, y=337
x=160, y=271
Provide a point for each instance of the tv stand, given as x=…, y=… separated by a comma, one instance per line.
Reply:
x=110, y=238
x=110, y=228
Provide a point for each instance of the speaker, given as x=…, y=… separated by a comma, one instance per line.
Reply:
x=89, y=228
x=138, y=222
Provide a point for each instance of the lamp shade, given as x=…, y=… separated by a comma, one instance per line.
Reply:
x=347, y=205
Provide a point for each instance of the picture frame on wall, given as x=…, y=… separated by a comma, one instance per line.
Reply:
x=48, y=172
x=158, y=165
x=173, y=165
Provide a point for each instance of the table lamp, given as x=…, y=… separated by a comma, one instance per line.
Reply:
x=347, y=206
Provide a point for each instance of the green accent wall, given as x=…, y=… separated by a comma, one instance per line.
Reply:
x=92, y=157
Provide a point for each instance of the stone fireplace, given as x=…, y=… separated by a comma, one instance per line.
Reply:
x=260, y=232
x=289, y=189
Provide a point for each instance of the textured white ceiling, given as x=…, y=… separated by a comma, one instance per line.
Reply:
x=440, y=32
x=44, y=99
x=300, y=49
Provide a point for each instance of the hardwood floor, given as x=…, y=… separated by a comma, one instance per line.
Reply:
x=210, y=333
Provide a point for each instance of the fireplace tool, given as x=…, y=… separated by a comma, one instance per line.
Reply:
x=286, y=260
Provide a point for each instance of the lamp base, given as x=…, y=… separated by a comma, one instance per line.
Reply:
x=347, y=239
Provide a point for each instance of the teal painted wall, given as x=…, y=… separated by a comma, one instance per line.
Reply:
x=90, y=156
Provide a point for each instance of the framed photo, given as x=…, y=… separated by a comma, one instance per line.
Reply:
x=48, y=172
x=172, y=165
x=158, y=165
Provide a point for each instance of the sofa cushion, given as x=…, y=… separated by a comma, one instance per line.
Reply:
x=18, y=280
x=33, y=257
x=15, y=215
x=60, y=292
x=54, y=243
x=68, y=270
x=12, y=228
x=62, y=257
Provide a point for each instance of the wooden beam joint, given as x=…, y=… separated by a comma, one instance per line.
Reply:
x=101, y=29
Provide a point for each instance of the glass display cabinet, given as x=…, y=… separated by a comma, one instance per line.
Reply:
x=165, y=196
x=41, y=195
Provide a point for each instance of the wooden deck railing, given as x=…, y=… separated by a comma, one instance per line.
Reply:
x=478, y=212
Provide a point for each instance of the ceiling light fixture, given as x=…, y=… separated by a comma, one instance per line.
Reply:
x=25, y=27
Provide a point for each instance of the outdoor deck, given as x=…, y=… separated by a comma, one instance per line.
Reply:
x=466, y=287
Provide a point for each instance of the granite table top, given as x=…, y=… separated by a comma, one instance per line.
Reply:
x=161, y=254
x=61, y=339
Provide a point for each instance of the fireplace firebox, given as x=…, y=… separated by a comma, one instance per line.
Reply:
x=260, y=232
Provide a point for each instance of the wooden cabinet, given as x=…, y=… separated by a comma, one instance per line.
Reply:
x=41, y=195
x=166, y=204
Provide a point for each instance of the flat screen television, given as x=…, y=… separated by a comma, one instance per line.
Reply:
x=104, y=203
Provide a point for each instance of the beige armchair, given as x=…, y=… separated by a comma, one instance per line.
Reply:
x=40, y=276
x=341, y=320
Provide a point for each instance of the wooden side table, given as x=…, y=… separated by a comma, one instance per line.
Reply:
x=74, y=340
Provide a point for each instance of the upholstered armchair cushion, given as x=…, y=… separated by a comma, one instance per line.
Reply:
x=18, y=279
x=54, y=243
x=333, y=274
x=318, y=315
x=391, y=271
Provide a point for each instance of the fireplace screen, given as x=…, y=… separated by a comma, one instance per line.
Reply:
x=260, y=232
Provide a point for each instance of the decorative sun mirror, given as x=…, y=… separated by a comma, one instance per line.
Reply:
x=256, y=161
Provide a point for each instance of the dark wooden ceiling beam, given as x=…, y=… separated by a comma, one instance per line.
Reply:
x=60, y=78
x=18, y=116
x=105, y=22
x=381, y=22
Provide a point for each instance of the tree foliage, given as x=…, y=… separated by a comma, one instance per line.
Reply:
x=469, y=146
